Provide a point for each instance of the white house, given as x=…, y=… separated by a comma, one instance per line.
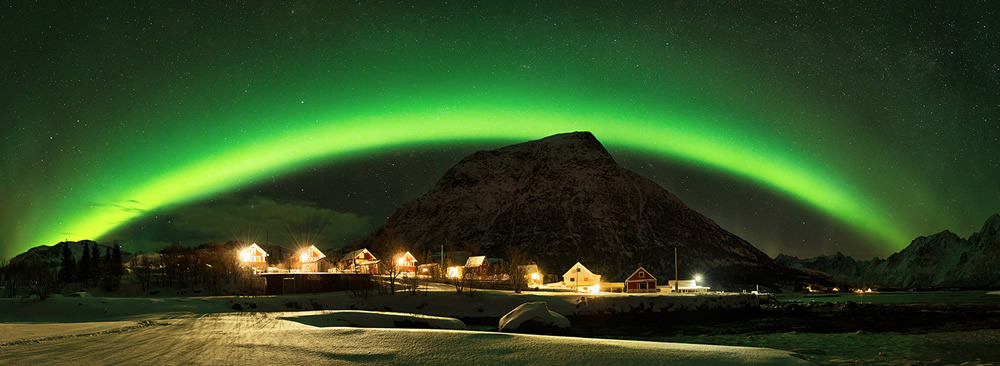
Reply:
x=686, y=286
x=579, y=277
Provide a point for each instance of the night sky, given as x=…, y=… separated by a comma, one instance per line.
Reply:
x=804, y=128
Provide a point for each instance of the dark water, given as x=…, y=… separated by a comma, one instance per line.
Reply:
x=917, y=297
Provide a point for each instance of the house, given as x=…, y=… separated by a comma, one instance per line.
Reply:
x=534, y=276
x=640, y=281
x=686, y=286
x=358, y=261
x=406, y=263
x=309, y=260
x=254, y=257
x=477, y=265
x=581, y=278
x=429, y=270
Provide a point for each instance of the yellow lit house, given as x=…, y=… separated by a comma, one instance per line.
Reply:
x=309, y=259
x=582, y=279
x=254, y=256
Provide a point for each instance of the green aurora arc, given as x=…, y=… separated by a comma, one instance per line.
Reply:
x=880, y=118
x=242, y=166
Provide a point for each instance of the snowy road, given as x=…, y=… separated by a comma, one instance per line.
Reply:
x=264, y=338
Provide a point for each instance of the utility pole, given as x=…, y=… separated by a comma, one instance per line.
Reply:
x=676, y=284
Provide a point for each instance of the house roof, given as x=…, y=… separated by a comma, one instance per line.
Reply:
x=476, y=261
x=637, y=271
x=254, y=247
x=579, y=265
x=313, y=254
x=355, y=254
x=407, y=257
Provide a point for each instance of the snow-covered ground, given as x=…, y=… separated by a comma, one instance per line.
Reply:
x=266, y=338
x=374, y=319
x=289, y=329
x=976, y=347
x=440, y=300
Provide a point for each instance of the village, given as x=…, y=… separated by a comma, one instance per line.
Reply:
x=310, y=270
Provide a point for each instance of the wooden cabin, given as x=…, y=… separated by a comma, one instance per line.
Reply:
x=358, y=261
x=478, y=265
x=254, y=256
x=309, y=260
x=581, y=278
x=640, y=281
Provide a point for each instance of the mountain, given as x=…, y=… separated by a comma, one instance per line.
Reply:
x=839, y=268
x=53, y=254
x=564, y=199
x=943, y=260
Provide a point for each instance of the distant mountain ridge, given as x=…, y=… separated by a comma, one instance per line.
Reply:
x=564, y=199
x=941, y=260
x=53, y=254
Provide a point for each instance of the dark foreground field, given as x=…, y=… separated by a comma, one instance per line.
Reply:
x=831, y=332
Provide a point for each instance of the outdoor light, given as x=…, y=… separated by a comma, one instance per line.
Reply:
x=697, y=278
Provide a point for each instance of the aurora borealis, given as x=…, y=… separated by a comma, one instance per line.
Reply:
x=878, y=120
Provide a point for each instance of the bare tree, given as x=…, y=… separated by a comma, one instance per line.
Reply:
x=517, y=259
x=143, y=272
x=391, y=251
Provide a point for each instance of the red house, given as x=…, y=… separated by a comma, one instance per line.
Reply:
x=309, y=259
x=253, y=256
x=406, y=263
x=478, y=265
x=359, y=261
x=640, y=281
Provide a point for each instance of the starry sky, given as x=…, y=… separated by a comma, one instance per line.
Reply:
x=804, y=128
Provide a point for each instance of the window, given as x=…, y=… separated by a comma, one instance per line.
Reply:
x=641, y=275
x=572, y=279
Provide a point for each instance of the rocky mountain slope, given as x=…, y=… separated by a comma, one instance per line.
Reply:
x=564, y=199
x=938, y=261
x=943, y=260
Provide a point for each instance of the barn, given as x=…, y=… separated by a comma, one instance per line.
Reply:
x=640, y=281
